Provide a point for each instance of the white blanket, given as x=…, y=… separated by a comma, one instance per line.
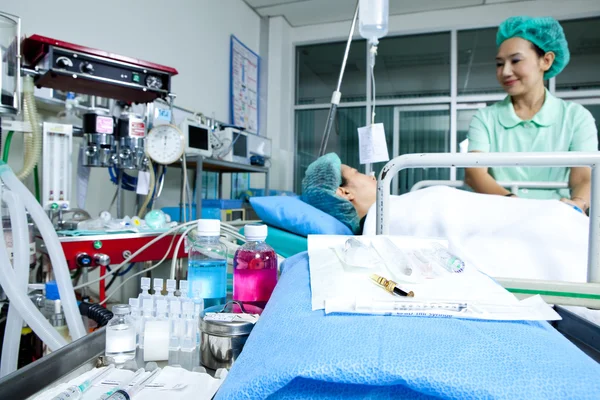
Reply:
x=502, y=236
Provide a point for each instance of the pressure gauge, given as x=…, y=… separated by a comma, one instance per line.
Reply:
x=154, y=82
x=165, y=144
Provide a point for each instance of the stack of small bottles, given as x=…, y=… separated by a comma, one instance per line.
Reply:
x=155, y=314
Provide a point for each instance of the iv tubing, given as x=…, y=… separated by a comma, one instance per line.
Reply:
x=140, y=272
x=33, y=143
x=57, y=257
x=173, y=231
x=7, y=146
x=174, y=260
x=14, y=324
x=335, y=98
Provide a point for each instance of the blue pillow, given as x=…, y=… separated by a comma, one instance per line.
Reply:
x=293, y=215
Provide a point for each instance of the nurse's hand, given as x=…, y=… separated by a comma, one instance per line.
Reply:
x=573, y=203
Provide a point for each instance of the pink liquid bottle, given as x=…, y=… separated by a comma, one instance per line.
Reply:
x=254, y=268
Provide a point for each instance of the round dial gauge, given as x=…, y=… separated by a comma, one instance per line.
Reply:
x=165, y=144
x=153, y=82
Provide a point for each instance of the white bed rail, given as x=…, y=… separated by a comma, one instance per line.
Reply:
x=563, y=159
x=514, y=186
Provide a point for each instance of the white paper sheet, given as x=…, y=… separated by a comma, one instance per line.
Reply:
x=337, y=290
x=372, y=145
x=170, y=384
x=143, y=183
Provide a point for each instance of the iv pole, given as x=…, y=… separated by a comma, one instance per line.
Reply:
x=335, y=98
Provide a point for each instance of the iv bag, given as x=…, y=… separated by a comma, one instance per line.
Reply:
x=373, y=18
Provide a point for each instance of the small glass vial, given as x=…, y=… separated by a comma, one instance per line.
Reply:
x=254, y=268
x=120, y=335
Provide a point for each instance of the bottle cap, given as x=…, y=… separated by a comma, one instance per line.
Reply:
x=183, y=287
x=52, y=291
x=158, y=284
x=134, y=302
x=209, y=227
x=171, y=285
x=145, y=283
x=121, y=309
x=255, y=232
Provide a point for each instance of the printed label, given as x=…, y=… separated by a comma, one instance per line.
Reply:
x=104, y=125
x=137, y=128
x=164, y=114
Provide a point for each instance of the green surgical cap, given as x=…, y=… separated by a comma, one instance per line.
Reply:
x=323, y=178
x=545, y=32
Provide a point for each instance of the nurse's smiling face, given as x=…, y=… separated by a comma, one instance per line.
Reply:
x=519, y=68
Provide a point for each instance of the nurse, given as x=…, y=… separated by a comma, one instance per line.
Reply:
x=530, y=119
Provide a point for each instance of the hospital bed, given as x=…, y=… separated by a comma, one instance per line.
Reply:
x=514, y=186
x=294, y=352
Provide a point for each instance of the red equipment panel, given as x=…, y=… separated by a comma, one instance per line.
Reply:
x=36, y=46
x=115, y=245
x=69, y=67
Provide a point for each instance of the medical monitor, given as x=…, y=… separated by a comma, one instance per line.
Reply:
x=198, y=136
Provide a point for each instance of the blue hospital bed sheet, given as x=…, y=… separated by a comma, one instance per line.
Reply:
x=295, y=353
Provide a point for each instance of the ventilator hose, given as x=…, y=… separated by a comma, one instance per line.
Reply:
x=33, y=141
x=150, y=194
x=95, y=312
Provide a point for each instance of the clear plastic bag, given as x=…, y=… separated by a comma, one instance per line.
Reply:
x=357, y=256
x=399, y=262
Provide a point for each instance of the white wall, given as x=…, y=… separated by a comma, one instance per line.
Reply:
x=469, y=17
x=192, y=36
x=280, y=117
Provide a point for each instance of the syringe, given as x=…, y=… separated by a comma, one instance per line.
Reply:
x=122, y=385
x=127, y=394
x=76, y=391
x=395, y=307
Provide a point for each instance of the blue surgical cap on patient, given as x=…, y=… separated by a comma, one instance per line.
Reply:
x=323, y=178
x=545, y=32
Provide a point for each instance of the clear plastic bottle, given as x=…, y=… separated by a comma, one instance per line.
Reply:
x=171, y=288
x=147, y=315
x=373, y=19
x=120, y=335
x=188, y=338
x=158, y=287
x=134, y=305
x=145, y=294
x=207, y=264
x=175, y=331
x=254, y=268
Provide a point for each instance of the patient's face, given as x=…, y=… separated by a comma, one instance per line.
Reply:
x=361, y=189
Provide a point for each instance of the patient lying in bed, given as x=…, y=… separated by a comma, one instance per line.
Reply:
x=503, y=237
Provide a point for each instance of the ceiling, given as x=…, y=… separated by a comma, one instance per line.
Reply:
x=312, y=12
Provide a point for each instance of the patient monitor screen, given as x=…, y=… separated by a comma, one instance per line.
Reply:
x=240, y=147
x=198, y=138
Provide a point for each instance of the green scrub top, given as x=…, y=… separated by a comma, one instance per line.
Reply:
x=558, y=126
